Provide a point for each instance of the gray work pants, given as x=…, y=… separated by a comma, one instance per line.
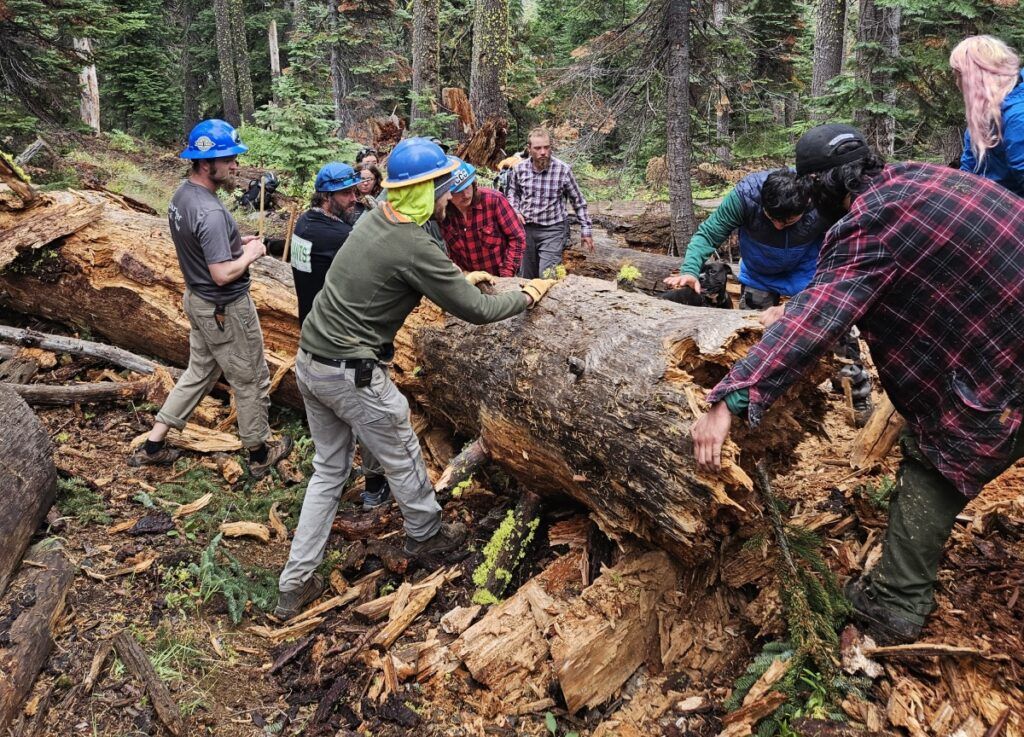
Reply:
x=544, y=246
x=234, y=348
x=337, y=411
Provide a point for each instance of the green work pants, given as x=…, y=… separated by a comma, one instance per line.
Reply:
x=922, y=511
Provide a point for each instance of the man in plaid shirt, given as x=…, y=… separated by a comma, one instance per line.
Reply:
x=538, y=191
x=929, y=263
x=481, y=228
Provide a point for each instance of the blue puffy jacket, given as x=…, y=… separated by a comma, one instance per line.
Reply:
x=1003, y=164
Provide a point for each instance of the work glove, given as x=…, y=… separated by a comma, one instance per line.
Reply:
x=537, y=288
x=479, y=277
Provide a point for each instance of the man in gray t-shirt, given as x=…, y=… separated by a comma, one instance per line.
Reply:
x=225, y=332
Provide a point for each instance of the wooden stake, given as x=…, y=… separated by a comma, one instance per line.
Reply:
x=263, y=214
x=293, y=213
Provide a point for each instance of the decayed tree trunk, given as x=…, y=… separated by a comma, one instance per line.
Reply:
x=828, y=44
x=677, y=120
x=490, y=60
x=30, y=637
x=90, y=106
x=243, y=68
x=226, y=61
x=275, y=55
x=426, y=58
x=99, y=278
x=28, y=480
x=190, y=71
x=607, y=260
x=339, y=73
x=592, y=394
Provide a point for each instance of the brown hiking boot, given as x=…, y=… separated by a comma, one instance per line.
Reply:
x=163, y=457
x=884, y=625
x=450, y=537
x=290, y=603
x=277, y=450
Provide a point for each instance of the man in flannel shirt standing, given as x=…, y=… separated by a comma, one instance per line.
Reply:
x=927, y=261
x=481, y=228
x=538, y=191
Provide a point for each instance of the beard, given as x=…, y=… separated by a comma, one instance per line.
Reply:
x=221, y=176
x=541, y=164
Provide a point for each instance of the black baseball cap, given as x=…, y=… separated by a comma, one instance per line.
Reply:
x=819, y=148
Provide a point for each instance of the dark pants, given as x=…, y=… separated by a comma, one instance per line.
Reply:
x=922, y=512
x=544, y=246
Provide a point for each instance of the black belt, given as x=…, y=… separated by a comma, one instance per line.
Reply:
x=349, y=363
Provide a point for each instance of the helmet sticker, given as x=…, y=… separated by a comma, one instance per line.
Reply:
x=203, y=143
x=840, y=138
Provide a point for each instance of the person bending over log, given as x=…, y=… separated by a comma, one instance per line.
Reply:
x=481, y=228
x=320, y=232
x=225, y=335
x=780, y=235
x=538, y=191
x=927, y=261
x=387, y=265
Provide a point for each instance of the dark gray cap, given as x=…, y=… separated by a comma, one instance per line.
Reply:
x=817, y=150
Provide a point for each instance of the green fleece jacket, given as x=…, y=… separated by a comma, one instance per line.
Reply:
x=712, y=233
x=389, y=263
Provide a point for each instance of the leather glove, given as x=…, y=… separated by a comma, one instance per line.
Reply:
x=477, y=277
x=537, y=288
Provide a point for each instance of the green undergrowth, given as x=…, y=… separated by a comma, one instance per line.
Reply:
x=75, y=499
x=120, y=174
x=879, y=494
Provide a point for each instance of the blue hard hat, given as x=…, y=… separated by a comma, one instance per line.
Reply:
x=463, y=177
x=416, y=160
x=213, y=139
x=335, y=176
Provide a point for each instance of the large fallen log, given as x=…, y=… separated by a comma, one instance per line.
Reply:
x=28, y=480
x=89, y=260
x=592, y=394
x=29, y=614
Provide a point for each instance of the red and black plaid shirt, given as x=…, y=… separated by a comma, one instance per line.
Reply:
x=929, y=264
x=490, y=238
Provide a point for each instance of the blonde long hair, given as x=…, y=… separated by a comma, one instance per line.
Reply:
x=988, y=70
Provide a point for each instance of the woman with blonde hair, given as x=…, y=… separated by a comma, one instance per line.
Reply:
x=988, y=74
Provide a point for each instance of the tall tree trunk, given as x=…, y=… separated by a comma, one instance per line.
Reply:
x=677, y=119
x=426, y=58
x=828, y=44
x=243, y=69
x=275, y=57
x=90, y=105
x=226, y=62
x=878, y=47
x=189, y=70
x=339, y=74
x=490, y=60
x=723, y=105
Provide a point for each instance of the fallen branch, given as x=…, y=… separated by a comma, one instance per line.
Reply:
x=462, y=467
x=76, y=347
x=137, y=662
x=67, y=395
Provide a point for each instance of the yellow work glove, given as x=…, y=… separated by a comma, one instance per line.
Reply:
x=479, y=277
x=537, y=288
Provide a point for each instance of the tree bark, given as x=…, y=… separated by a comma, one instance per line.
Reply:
x=829, y=32
x=490, y=60
x=65, y=395
x=677, y=120
x=31, y=632
x=243, y=68
x=607, y=260
x=878, y=48
x=226, y=61
x=622, y=376
x=137, y=662
x=723, y=105
x=339, y=74
x=426, y=60
x=28, y=481
x=90, y=105
x=191, y=74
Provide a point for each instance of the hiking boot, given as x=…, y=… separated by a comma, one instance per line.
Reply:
x=290, y=603
x=277, y=450
x=450, y=537
x=163, y=457
x=376, y=493
x=862, y=409
x=884, y=625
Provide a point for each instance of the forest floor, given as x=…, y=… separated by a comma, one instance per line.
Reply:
x=198, y=602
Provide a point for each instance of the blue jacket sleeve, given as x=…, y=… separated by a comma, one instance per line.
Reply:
x=967, y=161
